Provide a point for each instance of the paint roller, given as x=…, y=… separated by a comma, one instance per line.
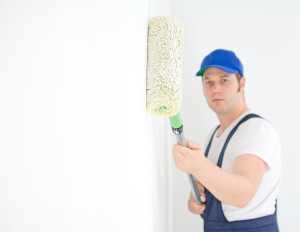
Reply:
x=164, y=76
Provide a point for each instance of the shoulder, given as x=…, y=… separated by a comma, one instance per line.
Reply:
x=257, y=128
x=256, y=136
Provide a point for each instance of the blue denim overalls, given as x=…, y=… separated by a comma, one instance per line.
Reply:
x=214, y=219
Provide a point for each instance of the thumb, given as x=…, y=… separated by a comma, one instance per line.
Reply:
x=193, y=145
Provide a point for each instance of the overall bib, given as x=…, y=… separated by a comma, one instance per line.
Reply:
x=214, y=219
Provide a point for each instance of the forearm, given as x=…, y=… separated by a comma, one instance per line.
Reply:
x=227, y=187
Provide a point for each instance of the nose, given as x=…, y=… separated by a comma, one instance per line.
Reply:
x=216, y=88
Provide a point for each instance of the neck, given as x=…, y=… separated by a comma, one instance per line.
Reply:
x=227, y=118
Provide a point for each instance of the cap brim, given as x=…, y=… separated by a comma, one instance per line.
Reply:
x=201, y=71
x=223, y=68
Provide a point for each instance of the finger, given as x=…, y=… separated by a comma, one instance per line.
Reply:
x=179, y=160
x=193, y=145
x=176, y=153
x=196, y=208
x=200, y=186
x=202, y=193
x=202, y=196
x=192, y=198
x=182, y=149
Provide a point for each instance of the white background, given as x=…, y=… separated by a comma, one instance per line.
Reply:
x=78, y=151
x=265, y=35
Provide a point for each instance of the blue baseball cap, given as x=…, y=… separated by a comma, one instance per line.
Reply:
x=222, y=59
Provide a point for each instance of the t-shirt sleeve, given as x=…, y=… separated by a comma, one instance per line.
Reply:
x=255, y=137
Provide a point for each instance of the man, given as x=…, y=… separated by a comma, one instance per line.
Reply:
x=239, y=171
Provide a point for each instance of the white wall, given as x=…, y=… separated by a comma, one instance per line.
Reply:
x=265, y=35
x=78, y=151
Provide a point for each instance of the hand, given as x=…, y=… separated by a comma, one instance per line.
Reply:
x=188, y=159
x=193, y=206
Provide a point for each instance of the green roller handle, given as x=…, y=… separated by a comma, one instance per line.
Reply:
x=177, y=128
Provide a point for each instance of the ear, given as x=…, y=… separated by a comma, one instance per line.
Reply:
x=242, y=84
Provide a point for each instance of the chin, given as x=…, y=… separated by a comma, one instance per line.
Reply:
x=219, y=110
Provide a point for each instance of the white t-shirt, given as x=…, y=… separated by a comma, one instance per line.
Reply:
x=256, y=136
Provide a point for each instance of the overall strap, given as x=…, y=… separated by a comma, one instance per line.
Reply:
x=209, y=144
x=244, y=119
x=248, y=116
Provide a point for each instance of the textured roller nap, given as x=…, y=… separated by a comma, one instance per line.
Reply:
x=164, y=66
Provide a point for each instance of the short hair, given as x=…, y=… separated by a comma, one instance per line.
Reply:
x=238, y=76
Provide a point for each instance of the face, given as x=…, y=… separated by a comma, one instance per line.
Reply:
x=222, y=91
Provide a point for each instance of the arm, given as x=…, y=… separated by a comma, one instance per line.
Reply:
x=236, y=188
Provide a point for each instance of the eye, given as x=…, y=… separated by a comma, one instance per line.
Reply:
x=224, y=80
x=208, y=82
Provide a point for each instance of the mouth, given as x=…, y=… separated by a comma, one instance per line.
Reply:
x=217, y=99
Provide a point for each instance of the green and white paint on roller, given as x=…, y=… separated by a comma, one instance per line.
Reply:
x=164, y=66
